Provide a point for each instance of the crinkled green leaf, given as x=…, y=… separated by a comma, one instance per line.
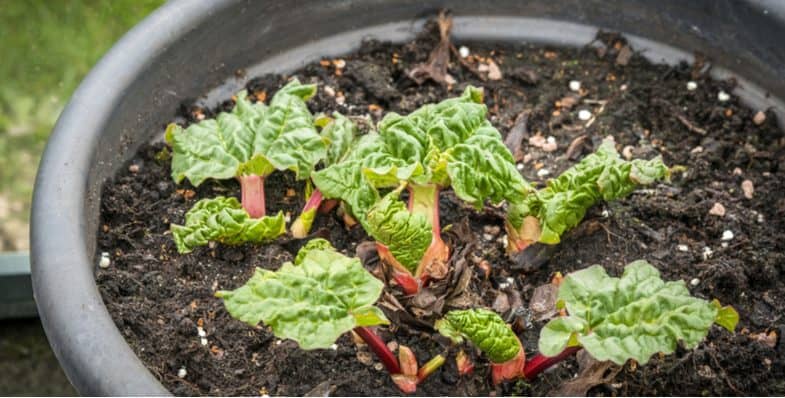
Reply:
x=632, y=317
x=485, y=329
x=312, y=303
x=448, y=144
x=251, y=139
x=603, y=175
x=224, y=220
x=313, y=244
x=340, y=134
x=407, y=235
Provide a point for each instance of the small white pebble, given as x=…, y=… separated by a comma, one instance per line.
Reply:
x=287, y=217
x=203, y=341
x=201, y=332
x=575, y=85
x=182, y=373
x=695, y=282
x=211, y=244
x=105, y=261
x=737, y=171
x=464, y=51
x=378, y=366
x=584, y=115
x=623, y=87
x=627, y=152
x=278, y=342
x=691, y=85
x=334, y=347
x=543, y=172
x=724, y=244
x=134, y=168
x=697, y=149
x=339, y=63
x=551, y=139
x=606, y=213
x=722, y=96
x=683, y=248
x=510, y=280
x=707, y=252
x=340, y=100
x=727, y=235
x=761, y=219
x=329, y=91
x=519, y=166
x=503, y=285
x=487, y=237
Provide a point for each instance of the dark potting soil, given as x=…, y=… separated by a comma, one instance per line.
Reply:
x=159, y=298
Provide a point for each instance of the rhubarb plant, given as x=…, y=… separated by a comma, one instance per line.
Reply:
x=449, y=144
x=613, y=319
x=249, y=143
x=544, y=215
x=224, y=220
x=314, y=301
x=343, y=145
x=631, y=317
x=488, y=331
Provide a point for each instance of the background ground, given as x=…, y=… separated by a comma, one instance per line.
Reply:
x=47, y=47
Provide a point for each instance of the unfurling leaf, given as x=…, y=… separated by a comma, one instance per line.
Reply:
x=632, y=317
x=603, y=175
x=224, y=220
x=485, y=329
x=406, y=235
x=313, y=302
x=252, y=139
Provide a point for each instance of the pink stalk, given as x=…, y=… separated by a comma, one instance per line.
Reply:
x=327, y=206
x=302, y=225
x=539, y=363
x=252, y=187
x=424, y=199
x=314, y=201
x=379, y=348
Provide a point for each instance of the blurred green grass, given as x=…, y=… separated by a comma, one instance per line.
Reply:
x=47, y=47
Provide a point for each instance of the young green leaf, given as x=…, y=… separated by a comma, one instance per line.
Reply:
x=447, y=144
x=406, y=235
x=313, y=302
x=632, y=317
x=252, y=139
x=485, y=329
x=560, y=206
x=224, y=220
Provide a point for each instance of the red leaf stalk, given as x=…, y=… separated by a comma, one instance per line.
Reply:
x=379, y=348
x=252, y=187
x=539, y=363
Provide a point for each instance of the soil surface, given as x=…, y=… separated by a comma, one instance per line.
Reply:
x=159, y=298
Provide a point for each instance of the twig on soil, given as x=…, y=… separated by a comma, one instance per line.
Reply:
x=680, y=117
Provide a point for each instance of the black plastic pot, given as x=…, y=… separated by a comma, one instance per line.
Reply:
x=191, y=48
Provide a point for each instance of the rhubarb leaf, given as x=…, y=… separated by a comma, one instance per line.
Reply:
x=406, y=235
x=251, y=139
x=449, y=143
x=313, y=244
x=603, y=175
x=344, y=179
x=485, y=329
x=312, y=303
x=632, y=317
x=224, y=220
